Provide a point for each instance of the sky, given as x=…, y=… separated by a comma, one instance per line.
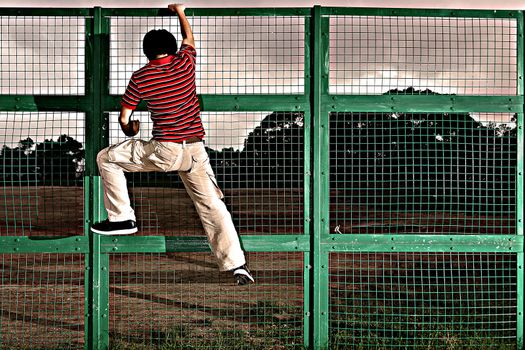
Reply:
x=459, y=4
x=368, y=56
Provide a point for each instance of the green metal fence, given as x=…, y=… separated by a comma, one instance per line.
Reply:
x=372, y=160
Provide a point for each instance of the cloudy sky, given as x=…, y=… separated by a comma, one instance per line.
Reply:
x=368, y=55
x=467, y=4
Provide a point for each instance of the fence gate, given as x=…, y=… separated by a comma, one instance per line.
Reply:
x=372, y=160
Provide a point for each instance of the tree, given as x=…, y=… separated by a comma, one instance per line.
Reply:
x=273, y=154
x=50, y=162
x=422, y=160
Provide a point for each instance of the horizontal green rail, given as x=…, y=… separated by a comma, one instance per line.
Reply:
x=21, y=244
x=424, y=243
x=148, y=12
x=363, y=11
x=236, y=103
x=254, y=102
x=423, y=103
x=162, y=244
x=276, y=243
x=34, y=11
x=339, y=103
x=44, y=103
x=147, y=244
x=289, y=11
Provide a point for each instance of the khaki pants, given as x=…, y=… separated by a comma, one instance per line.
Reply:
x=193, y=165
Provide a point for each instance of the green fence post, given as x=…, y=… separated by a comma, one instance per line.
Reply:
x=307, y=183
x=319, y=85
x=520, y=185
x=97, y=264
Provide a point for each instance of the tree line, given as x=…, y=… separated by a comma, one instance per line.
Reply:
x=51, y=162
x=382, y=159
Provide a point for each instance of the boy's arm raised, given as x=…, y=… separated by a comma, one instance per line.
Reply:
x=185, y=28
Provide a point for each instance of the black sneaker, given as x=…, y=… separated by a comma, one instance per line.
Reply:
x=107, y=227
x=242, y=275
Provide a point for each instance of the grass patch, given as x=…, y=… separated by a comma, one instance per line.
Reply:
x=268, y=325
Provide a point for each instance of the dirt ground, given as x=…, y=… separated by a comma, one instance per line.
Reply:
x=181, y=301
x=58, y=211
x=153, y=298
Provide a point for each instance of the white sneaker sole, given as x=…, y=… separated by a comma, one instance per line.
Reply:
x=116, y=233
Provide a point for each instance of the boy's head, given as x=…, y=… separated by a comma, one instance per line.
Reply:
x=157, y=42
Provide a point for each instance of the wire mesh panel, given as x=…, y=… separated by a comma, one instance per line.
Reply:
x=423, y=301
x=258, y=160
x=42, y=55
x=41, y=173
x=41, y=301
x=439, y=173
x=235, y=54
x=181, y=301
x=469, y=56
x=390, y=173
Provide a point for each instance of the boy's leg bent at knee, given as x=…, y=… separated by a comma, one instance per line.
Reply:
x=130, y=156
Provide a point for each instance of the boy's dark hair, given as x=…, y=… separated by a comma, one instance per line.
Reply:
x=157, y=42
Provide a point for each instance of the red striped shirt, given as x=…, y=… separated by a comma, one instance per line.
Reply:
x=168, y=86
